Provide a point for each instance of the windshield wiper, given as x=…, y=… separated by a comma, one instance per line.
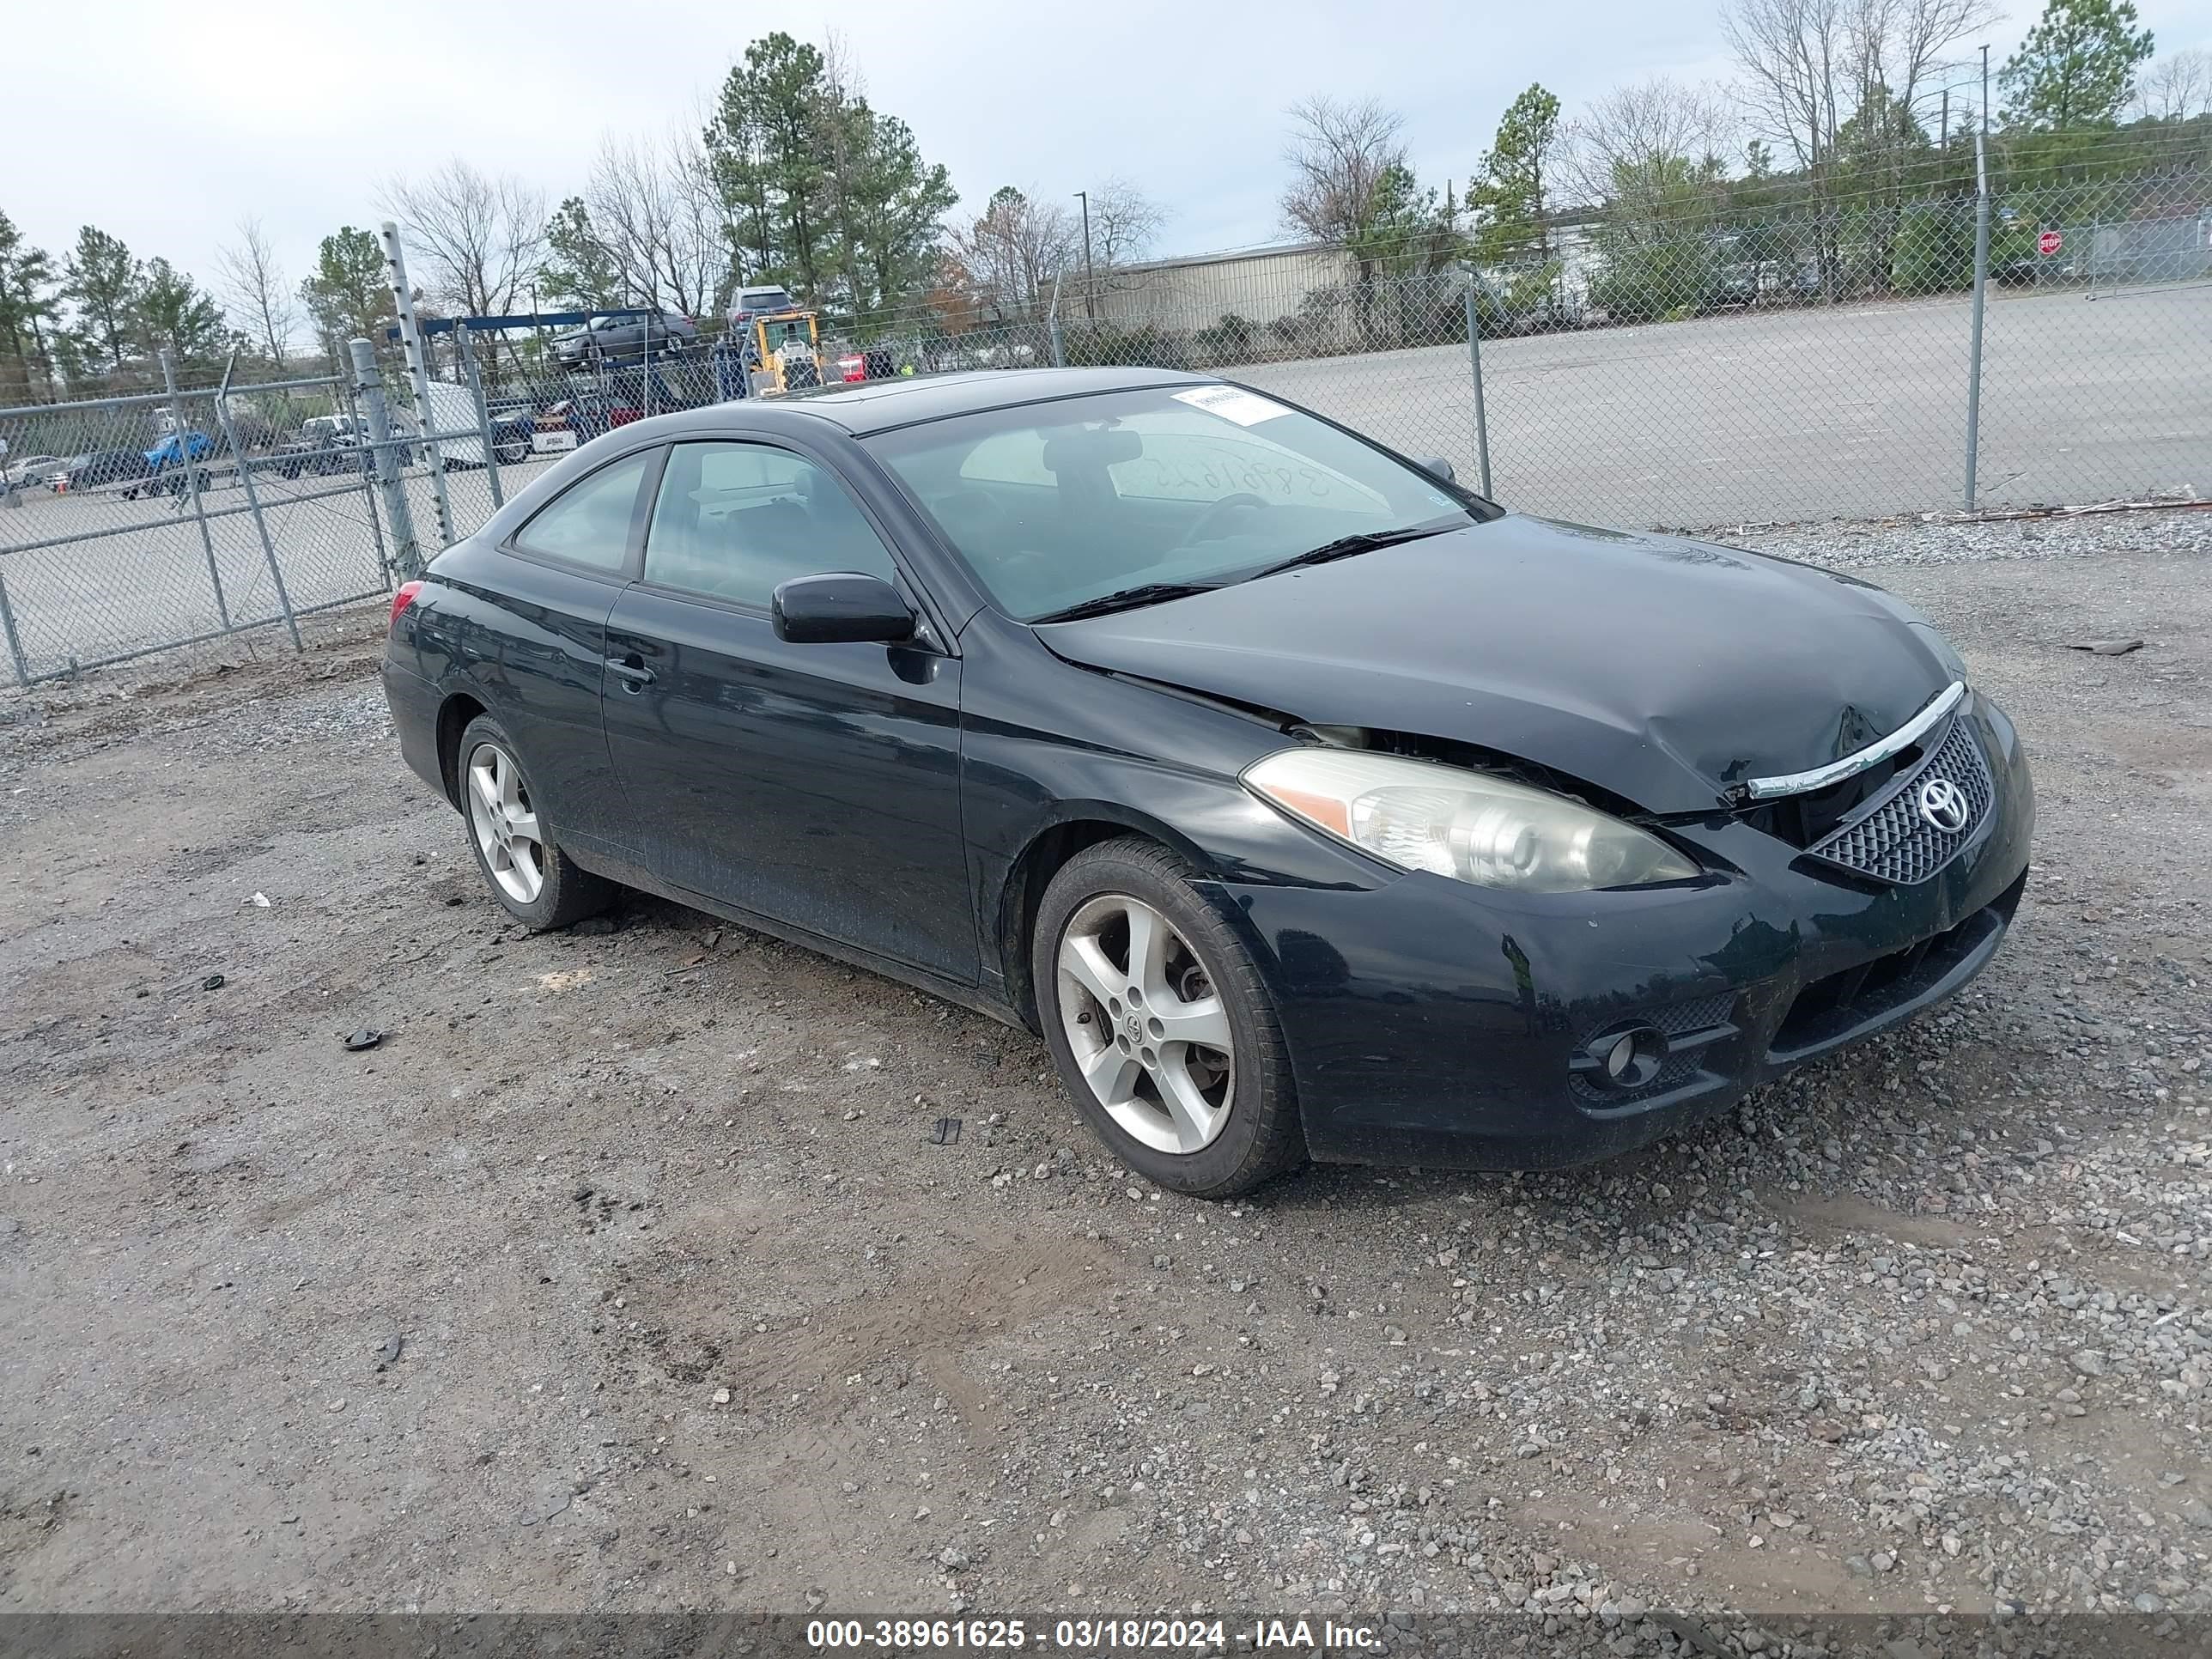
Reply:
x=1126, y=598
x=1365, y=541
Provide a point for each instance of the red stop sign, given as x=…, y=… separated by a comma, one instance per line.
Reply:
x=2048, y=243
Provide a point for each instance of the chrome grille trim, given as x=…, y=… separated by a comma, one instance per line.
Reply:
x=1820, y=777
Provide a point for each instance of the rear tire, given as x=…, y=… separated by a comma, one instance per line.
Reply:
x=1125, y=955
x=532, y=878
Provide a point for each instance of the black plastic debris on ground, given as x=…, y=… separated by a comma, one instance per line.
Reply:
x=946, y=1133
x=368, y=1038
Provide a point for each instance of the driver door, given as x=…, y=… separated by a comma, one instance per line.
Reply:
x=815, y=785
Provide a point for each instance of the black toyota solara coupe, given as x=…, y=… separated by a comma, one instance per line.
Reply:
x=1308, y=805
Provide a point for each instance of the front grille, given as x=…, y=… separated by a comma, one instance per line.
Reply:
x=1807, y=820
x=1893, y=842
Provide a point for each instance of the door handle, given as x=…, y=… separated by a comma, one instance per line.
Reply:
x=632, y=670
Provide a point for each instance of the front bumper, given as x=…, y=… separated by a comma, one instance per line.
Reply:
x=1431, y=1022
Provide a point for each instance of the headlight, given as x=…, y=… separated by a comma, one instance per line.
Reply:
x=1419, y=815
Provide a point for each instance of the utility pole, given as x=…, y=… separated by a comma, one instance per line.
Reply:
x=1089, y=281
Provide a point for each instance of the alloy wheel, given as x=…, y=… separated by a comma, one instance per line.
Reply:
x=504, y=824
x=1147, y=1027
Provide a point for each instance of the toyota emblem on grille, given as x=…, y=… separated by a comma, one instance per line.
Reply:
x=1943, y=804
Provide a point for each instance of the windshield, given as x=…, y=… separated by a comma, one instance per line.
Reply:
x=1054, y=505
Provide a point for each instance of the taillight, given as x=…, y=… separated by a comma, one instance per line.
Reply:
x=400, y=601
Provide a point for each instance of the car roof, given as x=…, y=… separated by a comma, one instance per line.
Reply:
x=880, y=405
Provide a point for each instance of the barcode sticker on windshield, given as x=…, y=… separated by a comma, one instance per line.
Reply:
x=1232, y=404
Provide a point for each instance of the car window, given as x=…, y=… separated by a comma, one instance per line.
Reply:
x=734, y=519
x=1058, y=503
x=589, y=522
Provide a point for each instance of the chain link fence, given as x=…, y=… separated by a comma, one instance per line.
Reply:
x=1694, y=372
x=139, y=524
x=1635, y=368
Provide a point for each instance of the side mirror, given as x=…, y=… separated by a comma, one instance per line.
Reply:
x=841, y=607
x=1438, y=466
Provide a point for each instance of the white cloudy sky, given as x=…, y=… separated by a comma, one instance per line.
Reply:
x=295, y=111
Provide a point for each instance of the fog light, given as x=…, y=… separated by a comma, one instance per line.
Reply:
x=1627, y=1060
x=1620, y=1057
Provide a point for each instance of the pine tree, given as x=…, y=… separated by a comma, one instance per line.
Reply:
x=171, y=313
x=1509, y=196
x=28, y=308
x=896, y=202
x=347, y=293
x=769, y=145
x=2077, y=67
x=581, y=271
x=102, y=282
x=821, y=191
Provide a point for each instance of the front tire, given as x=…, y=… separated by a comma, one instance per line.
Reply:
x=1161, y=1026
x=525, y=867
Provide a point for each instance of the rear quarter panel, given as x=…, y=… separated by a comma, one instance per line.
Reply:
x=528, y=642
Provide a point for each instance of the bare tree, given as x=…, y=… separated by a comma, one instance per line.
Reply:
x=2175, y=87
x=253, y=284
x=478, y=238
x=1908, y=42
x=1629, y=143
x=1019, y=250
x=1338, y=154
x=1125, y=223
x=1119, y=224
x=1796, y=57
x=1811, y=68
x=654, y=207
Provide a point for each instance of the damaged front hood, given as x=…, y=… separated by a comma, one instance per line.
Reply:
x=1662, y=669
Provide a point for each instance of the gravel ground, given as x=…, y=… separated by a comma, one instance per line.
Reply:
x=626, y=1274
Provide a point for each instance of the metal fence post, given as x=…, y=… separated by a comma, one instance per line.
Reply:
x=254, y=499
x=15, y=640
x=1475, y=368
x=1974, y=348
x=410, y=341
x=354, y=421
x=1055, y=338
x=468, y=352
x=406, y=550
x=183, y=435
